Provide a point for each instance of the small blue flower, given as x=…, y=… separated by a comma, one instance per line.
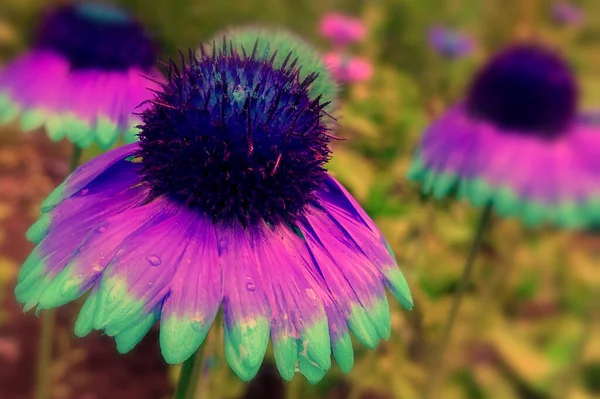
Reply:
x=450, y=43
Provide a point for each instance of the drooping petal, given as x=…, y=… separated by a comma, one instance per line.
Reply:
x=353, y=280
x=357, y=230
x=138, y=277
x=33, y=82
x=129, y=337
x=86, y=173
x=540, y=181
x=85, y=105
x=95, y=251
x=195, y=293
x=61, y=232
x=246, y=312
x=299, y=323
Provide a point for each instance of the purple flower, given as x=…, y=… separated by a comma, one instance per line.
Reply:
x=450, y=43
x=224, y=202
x=342, y=29
x=517, y=142
x=83, y=77
x=567, y=13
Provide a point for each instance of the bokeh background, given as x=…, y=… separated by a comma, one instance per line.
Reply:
x=530, y=325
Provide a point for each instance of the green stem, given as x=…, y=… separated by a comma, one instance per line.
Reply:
x=436, y=367
x=294, y=388
x=45, y=355
x=190, y=375
x=75, y=157
x=47, y=329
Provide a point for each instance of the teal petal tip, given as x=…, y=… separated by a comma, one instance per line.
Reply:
x=315, y=346
x=180, y=337
x=245, y=346
x=285, y=350
x=127, y=339
x=398, y=286
x=343, y=352
x=39, y=229
x=361, y=326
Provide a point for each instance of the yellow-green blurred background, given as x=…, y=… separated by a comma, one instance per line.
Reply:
x=528, y=327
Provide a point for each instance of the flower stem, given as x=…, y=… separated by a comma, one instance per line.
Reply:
x=45, y=355
x=47, y=329
x=294, y=388
x=75, y=157
x=436, y=367
x=190, y=375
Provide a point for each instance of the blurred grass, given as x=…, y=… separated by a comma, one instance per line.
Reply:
x=532, y=294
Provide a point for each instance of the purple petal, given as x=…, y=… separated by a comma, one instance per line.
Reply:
x=113, y=95
x=36, y=80
x=96, y=250
x=138, y=277
x=296, y=296
x=354, y=282
x=545, y=171
x=246, y=311
x=195, y=295
x=86, y=173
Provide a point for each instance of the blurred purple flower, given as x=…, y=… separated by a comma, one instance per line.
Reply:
x=517, y=143
x=83, y=77
x=450, y=43
x=567, y=13
x=347, y=69
x=342, y=29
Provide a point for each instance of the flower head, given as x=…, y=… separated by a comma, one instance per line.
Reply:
x=82, y=78
x=450, y=43
x=342, y=29
x=516, y=142
x=224, y=202
x=567, y=13
x=347, y=69
x=279, y=43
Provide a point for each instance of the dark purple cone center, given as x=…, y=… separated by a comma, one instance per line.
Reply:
x=526, y=89
x=236, y=138
x=97, y=36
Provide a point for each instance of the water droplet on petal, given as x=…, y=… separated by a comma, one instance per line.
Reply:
x=102, y=229
x=84, y=191
x=250, y=287
x=154, y=260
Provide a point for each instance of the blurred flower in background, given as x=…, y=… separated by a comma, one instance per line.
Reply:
x=223, y=202
x=342, y=29
x=82, y=79
x=288, y=48
x=348, y=69
x=516, y=142
x=567, y=13
x=450, y=43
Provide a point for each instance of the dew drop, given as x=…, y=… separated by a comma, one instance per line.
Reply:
x=102, y=229
x=84, y=191
x=250, y=287
x=154, y=260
